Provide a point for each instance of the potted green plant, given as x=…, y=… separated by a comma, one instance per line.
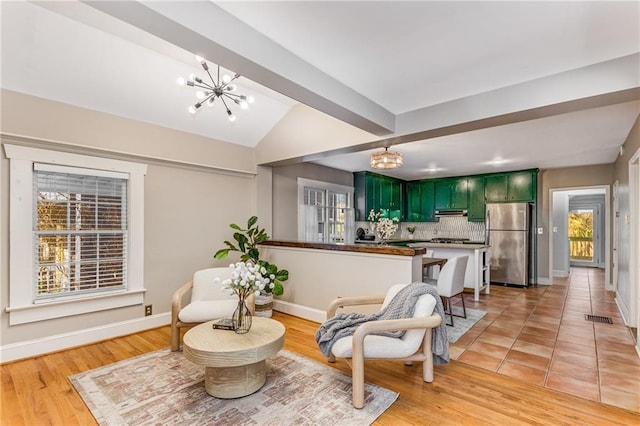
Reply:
x=246, y=241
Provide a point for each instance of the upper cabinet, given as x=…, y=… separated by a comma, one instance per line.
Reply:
x=416, y=201
x=451, y=193
x=511, y=187
x=379, y=193
x=420, y=201
x=476, y=210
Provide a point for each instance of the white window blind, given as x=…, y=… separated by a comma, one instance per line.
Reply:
x=79, y=230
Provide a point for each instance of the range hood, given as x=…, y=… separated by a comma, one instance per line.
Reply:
x=450, y=212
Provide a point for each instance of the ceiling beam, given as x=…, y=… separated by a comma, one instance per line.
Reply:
x=207, y=30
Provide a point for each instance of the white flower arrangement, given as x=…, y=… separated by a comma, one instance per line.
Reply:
x=382, y=226
x=247, y=278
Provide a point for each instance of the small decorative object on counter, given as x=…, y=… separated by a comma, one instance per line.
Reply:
x=382, y=225
x=411, y=230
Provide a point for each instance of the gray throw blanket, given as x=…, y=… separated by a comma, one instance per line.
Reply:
x=401, y=306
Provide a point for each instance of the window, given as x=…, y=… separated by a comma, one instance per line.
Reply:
x=325, y=212
x=80, y=231
x=76, y=234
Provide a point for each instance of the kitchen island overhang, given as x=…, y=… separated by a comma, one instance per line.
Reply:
x=321, y=272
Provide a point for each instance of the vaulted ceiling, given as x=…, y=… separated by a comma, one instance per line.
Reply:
x=457, y=87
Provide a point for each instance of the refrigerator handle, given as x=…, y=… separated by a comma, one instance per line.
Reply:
x=487, y=227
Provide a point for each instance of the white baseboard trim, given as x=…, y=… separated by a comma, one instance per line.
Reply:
x=58, y=342
x=560, y=274
x=624, y=313
x=544, y=281
x=311, y=314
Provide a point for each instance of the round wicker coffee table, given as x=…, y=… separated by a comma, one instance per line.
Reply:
x=234, y=363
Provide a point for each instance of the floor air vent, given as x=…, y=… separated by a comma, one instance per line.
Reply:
x=598, y=318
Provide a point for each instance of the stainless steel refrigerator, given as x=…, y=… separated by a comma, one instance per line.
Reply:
x=508, y=234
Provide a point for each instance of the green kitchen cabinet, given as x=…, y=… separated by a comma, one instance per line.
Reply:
x=511, y=187
x=451, y=193
x=379, y=193
x=477, y=207
x=420, y=201
x=495, y=188
x=521, y=186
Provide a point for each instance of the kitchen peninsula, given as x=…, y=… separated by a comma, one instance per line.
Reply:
x=320, y=272
x=477, y=275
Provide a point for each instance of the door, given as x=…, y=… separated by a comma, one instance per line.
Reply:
x=614, y=239
x=583, y=225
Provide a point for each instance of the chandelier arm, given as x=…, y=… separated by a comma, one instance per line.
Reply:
x=203, y=86
x=225, y=104
x=232, y=94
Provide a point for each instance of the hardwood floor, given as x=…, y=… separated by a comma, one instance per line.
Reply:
x=36, y=391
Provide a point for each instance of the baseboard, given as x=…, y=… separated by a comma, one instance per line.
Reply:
x=58, y=342
x=311, y=314
x=560, y=274
x=544, y=281
x=624, y=313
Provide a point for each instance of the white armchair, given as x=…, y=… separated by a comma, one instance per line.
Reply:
x=415, y=345
x=208, y=301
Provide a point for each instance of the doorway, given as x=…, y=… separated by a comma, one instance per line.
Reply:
x=583, y=226
x=564, y=200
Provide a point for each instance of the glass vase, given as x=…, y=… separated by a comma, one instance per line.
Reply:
x=242, y=318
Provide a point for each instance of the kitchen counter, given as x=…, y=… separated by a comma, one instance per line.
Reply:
x=320, y=273
x=373, y=248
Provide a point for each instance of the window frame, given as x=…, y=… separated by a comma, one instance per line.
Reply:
x=327, y=188
x=22, y=307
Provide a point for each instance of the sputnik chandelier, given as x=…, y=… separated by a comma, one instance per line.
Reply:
x=386, y=159
x=220, y=88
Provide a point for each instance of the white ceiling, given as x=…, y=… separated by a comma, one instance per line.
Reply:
x=389, y=68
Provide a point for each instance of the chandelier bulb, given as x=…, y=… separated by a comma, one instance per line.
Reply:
x=250, y=99
x=226, y=78
x=231, y=88
x=210, y=101
x=232, y=117
x=200, y=94
x=199, y=58
x=244, y=105
x=182, y=81
x=192, y=110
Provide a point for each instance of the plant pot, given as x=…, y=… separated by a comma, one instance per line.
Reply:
x=264, y=305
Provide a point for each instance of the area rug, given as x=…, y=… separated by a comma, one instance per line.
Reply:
x=462, y=325
x=162, y=388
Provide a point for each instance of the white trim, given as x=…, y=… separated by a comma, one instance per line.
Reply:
x=37, y=155
x=561, y=274
x=21, y=259
x=138, y=157
x=607, y=226
x=306, y=312
x=634, y=249
x=64, y=308
x=58, y=342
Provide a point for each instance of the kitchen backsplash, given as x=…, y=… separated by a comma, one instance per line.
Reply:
x=447, y=227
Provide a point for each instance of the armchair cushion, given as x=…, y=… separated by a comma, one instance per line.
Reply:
x=206, y=310
x=205, y=287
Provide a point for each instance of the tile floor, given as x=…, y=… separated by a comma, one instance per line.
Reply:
x=540, y=335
